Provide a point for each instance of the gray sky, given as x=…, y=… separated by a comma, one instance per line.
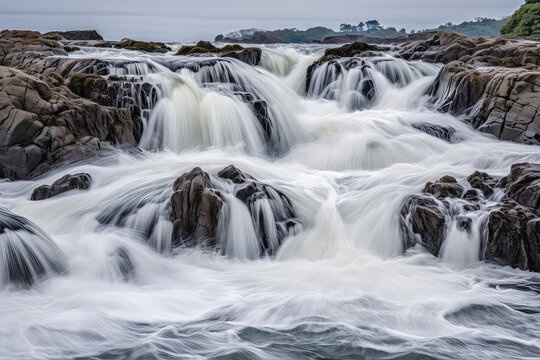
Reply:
x=170, y=20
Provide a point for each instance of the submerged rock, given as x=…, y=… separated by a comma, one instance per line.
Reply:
x=446, y=133
x=67, y=182
x=27, y=254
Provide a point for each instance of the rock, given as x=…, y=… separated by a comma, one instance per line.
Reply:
x=89, y=86
x=196, y=206
x=511, y=228
x=483, y=182
x=75, y=35
x=523, y=185
x=251, y=56
x=445, y=187
x=271, y=211
x=446, y=133
x=27, y=253
x=43, y=125
x=501, y=101
x=348, y=50
x=153, y=47
x=67, y=182
x=421, y=215
x=513, y=236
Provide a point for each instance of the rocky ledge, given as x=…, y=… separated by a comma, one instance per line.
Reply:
x=503, y=213
x=199, y=210
x=251, y=56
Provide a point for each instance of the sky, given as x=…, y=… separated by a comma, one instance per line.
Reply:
x=179, y=20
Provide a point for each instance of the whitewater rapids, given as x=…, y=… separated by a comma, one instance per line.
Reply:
x=339, y=288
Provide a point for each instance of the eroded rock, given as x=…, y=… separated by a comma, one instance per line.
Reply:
x=81, y=181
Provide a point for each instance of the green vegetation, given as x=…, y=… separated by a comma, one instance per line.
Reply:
x=525, y=21
x=479, y=27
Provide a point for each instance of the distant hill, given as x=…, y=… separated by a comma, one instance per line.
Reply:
x=370, y=30
x=525, y=21
x=479, y=27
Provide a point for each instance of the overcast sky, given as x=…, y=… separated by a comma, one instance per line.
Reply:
x=179, y=20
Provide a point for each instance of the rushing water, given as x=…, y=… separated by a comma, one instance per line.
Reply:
x=339, y=287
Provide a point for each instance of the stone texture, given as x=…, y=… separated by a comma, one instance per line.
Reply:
x=81, y=181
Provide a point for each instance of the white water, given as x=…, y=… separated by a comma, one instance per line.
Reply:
x=339, y=288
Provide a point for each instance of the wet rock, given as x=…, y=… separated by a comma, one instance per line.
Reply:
x=89, y=86
x=513, y=236
x=422, y=216
x=445, y=187
x=251, y=56
x=348, y=50
x=75, y=35
x=123, y=263
x=446, y=133
x=523, y=185
x=81, y=181
x=153, y=47
x=44, y=124
x=271, y=211
x=483, y=182
x=196, y=206
x=27, y=253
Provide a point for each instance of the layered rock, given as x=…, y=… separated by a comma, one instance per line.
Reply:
x=251, y=56
x=43, y=124
x=74, y=35
x=504, y=102
x=511, y=227
x=81, y=181
x=154, y=47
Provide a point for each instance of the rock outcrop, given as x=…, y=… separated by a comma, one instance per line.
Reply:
x=196, y=206
x=27, y=253
x=511, y=228
x=81, y=181
x=43, y=124
x=154, y=47
x=251, y=56
x=74, y=35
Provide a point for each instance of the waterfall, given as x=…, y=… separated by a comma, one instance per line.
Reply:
x=308, y=254
x=359, y=83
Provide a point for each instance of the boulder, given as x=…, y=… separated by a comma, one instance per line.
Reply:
x=251, y=56
x=483, y=182
x=89, y=86
x=27, y=253
x=445, y=187
x=196, y=206
x=44, y=124
x=446, y=133
x=67, y=182
x=75, y=35
x=421, y=215
x=153, y=47
x=523, y=185
x=513, y=236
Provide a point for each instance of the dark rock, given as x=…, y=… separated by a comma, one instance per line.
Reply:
x=124, y=264
x=89, y=86
x=76, y=35
x=28, y=253
x=67, y=182
x=348, y=50
x=445, y=187
x=45, y=124
x=271, y=228
x=196, y=207
x=513, y=236
x=153, y=47
x=523, y=185
x=251, y=56
x=421, y=215
x=446, y=133
x=483, y=182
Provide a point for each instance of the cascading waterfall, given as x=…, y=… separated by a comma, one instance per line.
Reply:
x=359, y=83
x=316, y=266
